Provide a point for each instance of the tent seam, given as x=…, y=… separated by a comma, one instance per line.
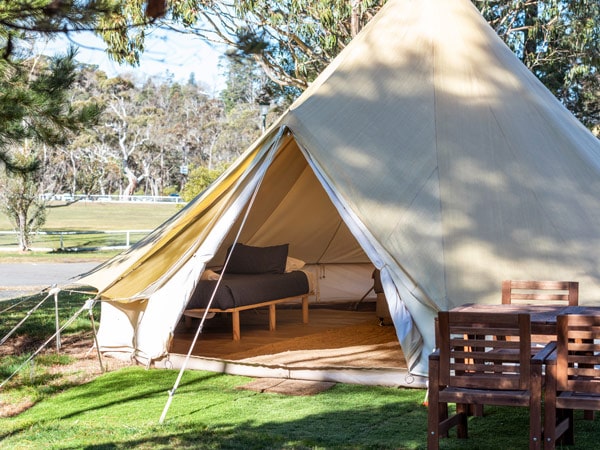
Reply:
x=437, y=158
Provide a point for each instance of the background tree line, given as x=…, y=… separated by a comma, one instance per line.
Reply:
x=294, y=40
x=67, y=127
x=149, y=130
x=152, y=136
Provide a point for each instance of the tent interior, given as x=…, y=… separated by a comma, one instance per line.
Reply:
x=292, y=207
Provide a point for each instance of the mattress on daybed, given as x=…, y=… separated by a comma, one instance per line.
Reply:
x=247, y=289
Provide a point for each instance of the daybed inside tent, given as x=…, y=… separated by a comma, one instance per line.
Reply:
x=426, y=150
x=250, y=278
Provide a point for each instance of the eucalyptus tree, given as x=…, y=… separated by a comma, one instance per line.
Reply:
x=294, y=40
x=127, y=130
x=559, y=41
x=149, y=129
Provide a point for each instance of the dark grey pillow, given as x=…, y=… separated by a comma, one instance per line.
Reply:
x=248, y=259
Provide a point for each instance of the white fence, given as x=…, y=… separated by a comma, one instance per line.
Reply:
x=65, y=240
x=114, y=198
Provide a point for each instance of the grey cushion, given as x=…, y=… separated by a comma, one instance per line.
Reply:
x=246, y=259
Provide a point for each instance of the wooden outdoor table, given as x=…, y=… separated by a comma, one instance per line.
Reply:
x=543, y=317
x=543, y=322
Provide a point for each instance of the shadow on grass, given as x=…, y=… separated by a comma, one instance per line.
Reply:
x=112, y=389
x=401, y=425
x=121, y=410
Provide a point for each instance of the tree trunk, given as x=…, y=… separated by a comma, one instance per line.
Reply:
x=132, y=185
x=74, y=168
x=355, y=19
x=22, y=231
x=530, y=38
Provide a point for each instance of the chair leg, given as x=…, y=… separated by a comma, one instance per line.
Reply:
x=433, y=427
x=535, y=409
x=558, y=427
x=442, y=417
x=549, y=433
x=476, y=410
x=462, y=411
x=566, y=427
x=435, y=410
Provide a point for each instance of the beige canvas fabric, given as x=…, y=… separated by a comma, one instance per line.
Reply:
x=426, y=148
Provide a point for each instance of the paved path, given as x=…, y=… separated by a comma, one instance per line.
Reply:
x=18, y=279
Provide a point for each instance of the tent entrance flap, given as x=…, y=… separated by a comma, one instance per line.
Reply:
x=292, y=208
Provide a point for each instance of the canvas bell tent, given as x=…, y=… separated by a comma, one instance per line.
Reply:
x=426, y=150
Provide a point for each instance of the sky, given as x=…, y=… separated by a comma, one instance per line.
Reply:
x=177, y=53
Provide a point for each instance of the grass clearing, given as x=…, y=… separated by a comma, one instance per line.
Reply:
x=103, y=216
x=42, y=376
x=91, y=217
x=68, y=408
x=41, y=323
x=121, y=410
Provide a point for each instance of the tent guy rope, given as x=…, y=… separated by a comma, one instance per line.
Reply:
x=202, y=321
x=89, y=304
x=27, y=316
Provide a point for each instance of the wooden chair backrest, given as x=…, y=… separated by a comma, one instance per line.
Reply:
x=578, y=353
x=544, y=292
x=484, y=350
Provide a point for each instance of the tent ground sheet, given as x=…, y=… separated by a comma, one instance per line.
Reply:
x=339, y=335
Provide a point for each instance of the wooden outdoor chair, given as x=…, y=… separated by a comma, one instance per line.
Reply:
x=572, y=376
x=540, y=292
x=483, y=359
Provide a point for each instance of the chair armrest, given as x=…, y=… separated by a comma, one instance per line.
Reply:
x=545, y=354
x=435, y=356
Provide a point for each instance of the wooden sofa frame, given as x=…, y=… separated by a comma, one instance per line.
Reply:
x=235, y=313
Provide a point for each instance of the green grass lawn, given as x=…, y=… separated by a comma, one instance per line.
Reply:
x=103, y=216
x=92, y=216
x=121, y=409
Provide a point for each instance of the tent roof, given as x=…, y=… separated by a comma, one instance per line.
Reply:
x=453, y=154
x=460, y=163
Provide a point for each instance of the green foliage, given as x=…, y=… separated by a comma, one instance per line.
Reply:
x=560, y=42
x=121, y=23
x=241, y=85
x=294, y=40
x=170, y=190
x=34, y=102
x=198, y=180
